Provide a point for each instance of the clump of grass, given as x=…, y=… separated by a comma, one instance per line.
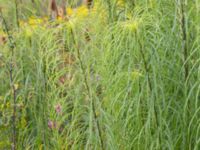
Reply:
x=119, y=75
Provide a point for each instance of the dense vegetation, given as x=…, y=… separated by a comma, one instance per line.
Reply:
x=118, y=75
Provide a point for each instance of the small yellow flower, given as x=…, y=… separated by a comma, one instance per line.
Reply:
x=35, y=21
x=69, y=11
x=81, y=12
x=59, y=19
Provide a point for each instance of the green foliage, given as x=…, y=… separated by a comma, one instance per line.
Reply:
x=114, y=77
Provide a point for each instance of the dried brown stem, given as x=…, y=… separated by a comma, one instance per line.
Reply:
x=54, y=9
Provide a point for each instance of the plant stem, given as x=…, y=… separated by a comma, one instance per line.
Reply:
x=150, y=85
x=89, y=92
x=12, y=46
x=184, y=39
x=16, y=13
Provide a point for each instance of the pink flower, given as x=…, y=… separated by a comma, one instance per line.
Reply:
x=50, y=124
x=58, y=108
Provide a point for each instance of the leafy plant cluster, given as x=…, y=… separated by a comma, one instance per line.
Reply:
x=123, y=74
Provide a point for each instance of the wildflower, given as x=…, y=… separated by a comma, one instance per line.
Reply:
x=69, y=11
x=82, y=12
x=58, y=108
x=59, y=19
x=34, y=21
x=51, y=124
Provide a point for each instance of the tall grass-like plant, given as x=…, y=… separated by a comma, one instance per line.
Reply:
x=121, y=75
x=13, y=86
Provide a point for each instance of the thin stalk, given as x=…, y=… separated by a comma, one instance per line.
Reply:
x=184, y=39
x=12, y=46
x=110, y=10
x=145, y=65
x=88, y=91
x=141, y=50
x=186, y=64
x=16, y=13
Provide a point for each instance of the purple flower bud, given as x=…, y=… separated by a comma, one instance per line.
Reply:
x=50, y=124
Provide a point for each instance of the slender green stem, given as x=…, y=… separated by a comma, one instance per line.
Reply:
x=89, y=92
x=141, y=50
x=184, y=38
x=17, y=13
